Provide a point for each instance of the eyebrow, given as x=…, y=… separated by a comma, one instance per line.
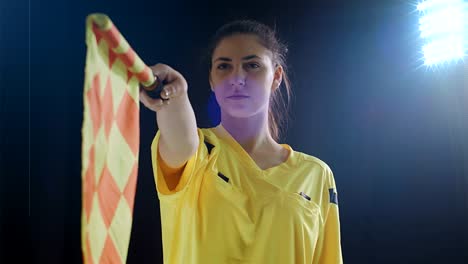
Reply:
x=244, y=58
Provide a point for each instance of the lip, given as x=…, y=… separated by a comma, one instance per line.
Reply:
x=237, y=97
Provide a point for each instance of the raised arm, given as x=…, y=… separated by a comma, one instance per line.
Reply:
x=175, y=117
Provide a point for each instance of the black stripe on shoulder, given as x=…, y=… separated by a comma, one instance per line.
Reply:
x=333, y=196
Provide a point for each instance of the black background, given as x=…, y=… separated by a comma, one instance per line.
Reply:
x=394, y=133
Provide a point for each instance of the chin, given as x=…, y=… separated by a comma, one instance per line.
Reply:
x=237, y=113
x=240, y=111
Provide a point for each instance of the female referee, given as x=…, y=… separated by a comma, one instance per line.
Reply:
x=232, y=193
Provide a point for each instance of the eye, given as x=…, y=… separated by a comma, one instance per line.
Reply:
x=222, y=66
x=253, y=65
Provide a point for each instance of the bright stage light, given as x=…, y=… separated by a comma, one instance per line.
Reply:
x=443, y=26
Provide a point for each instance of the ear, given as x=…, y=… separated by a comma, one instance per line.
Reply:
x=277, y=78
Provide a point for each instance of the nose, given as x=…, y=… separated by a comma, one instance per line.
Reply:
x=238, y=77
x=238, y=82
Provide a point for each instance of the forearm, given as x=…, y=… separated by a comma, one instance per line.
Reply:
x=178, y=128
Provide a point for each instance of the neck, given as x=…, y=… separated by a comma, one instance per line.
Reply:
x=251, y=133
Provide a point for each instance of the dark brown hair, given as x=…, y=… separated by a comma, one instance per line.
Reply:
x=278, y=112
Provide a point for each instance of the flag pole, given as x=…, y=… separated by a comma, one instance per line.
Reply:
x=124, y=51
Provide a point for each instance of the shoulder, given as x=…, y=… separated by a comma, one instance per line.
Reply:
x=209, y=135
x=209, y=138
x=207, y=131
x=316, y=167
x=311, y=161
x=321, y=176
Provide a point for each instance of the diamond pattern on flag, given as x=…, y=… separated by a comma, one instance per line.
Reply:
x=110, y=141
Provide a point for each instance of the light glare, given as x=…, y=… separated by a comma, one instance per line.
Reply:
x=443, y=27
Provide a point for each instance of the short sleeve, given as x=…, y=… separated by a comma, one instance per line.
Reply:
x=191, y=167
x=330, y=249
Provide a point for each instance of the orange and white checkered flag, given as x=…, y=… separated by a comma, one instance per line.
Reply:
x=110, y=141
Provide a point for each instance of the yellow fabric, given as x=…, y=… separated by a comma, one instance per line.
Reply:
x=170, y=174
x=257, y=216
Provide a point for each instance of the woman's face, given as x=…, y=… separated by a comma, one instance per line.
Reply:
x=242, y=76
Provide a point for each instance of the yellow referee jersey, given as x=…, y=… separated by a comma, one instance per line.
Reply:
x=225, y=209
